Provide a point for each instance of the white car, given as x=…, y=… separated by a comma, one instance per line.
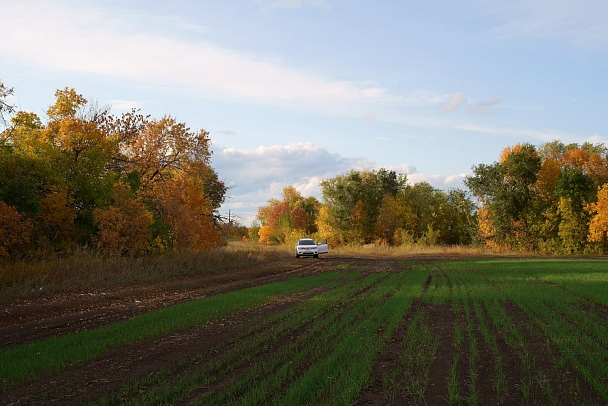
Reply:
x=309, y=248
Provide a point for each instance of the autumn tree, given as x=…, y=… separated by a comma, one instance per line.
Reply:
x=124, y=227
x=324, y=226
x=15, y=231
x=506, y=190
x=572, y=228
x=181, y=203
x=55, y=221
x=532, y=206
x=354, y=202
x=598, y=226
x=289, y=218
x=83, y=152
x=396, y=220
x=63, y=176
x=152, y=151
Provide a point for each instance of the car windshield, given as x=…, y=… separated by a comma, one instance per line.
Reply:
x=306, y=242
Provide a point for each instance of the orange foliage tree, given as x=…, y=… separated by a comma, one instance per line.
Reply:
x=125, y=225
x=598, y=226
x=86, y=176
x=292, y=217
x=14, y=230
x=183, y=206
x=545, y=208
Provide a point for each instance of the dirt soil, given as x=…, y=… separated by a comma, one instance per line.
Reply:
x=24, y=321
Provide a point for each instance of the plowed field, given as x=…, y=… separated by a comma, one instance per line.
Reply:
x=322, y=331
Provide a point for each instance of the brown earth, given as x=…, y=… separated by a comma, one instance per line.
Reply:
x=24, y=321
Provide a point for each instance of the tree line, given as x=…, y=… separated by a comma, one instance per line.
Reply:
x=364, y=207
x=132, y=185
x=123, y=185
x=550, y=199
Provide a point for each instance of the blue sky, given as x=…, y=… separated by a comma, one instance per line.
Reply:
x=297, y=91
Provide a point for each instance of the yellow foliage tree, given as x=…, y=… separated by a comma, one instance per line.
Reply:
x=572, y=227
x=125, y=225
x=265, y=233
x=325, y=229
x=189, y=213
x=56, y=216
x=486, y=228
x=598, y=226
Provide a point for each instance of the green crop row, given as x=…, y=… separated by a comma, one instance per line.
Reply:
x=568, y=313
x=320, y=350
x=55, y=353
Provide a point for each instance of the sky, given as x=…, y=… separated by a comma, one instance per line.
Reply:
x=293, y=92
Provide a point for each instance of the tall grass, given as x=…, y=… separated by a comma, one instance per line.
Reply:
x=385, y=250
x=89, y=270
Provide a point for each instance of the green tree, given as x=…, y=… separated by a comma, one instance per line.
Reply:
x=86, y=150
x=462, y=222
x=396, y=220
x=506, y=191
x=354, y=201
x=572, y=227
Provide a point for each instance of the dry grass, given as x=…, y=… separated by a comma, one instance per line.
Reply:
x=383, y=250
x=87, y=270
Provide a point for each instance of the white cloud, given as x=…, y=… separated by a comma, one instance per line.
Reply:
x=403, y=168
x=261, y=174
x=369, y=117
x=252, y=170
x=124, y=105
x=54, y=35
x=596, y=139
x=518, y=133
x=438, y=181
x=228, y=133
